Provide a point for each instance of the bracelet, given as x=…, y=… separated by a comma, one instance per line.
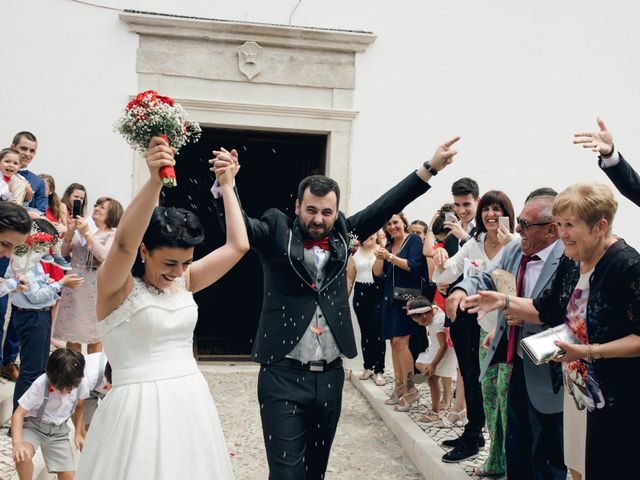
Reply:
x=506, y=302
x=430, y=169
x=610, y=153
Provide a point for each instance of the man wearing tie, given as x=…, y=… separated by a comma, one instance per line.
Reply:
x=305, y=325
x=534, y=437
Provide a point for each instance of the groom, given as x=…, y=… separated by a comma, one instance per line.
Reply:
x=305, y=325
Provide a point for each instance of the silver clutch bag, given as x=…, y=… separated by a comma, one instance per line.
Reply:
x=541, y=347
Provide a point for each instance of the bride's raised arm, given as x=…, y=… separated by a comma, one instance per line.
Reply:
x=210, y=268
x=114, y=276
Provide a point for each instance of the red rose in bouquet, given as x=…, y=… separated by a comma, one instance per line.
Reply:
x=150, y=114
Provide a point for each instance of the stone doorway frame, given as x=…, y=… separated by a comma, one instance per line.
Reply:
x=254, y=76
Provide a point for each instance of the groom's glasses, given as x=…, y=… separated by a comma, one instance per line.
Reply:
x=524, y=224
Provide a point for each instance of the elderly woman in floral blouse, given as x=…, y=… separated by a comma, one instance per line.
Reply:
x=596, y=292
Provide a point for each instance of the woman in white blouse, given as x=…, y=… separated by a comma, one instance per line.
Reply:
x=477, y=255
x=367, y=305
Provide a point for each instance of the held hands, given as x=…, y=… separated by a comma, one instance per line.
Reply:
x=72, y=281
x=444, y=154
x=225, y=166
x=159, y=154
x=600, y=142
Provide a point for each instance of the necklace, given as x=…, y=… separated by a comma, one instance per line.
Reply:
x=492, y=243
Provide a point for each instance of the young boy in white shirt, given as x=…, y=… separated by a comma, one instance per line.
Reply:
x=42, y=414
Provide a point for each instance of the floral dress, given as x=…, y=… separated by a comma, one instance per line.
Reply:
x=77, y=315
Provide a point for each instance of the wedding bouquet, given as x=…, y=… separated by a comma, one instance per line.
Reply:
x=149, y=115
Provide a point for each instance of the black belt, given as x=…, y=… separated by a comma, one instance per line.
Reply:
x=20, y=309
x=320, y=366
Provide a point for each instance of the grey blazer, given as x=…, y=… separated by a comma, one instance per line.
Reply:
x=538, y=378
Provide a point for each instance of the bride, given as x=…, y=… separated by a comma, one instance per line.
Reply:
x=159, y=421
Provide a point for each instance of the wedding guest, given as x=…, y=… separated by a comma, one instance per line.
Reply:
x=477, y=255
x=31, y=308
x=533, y=443
x=88, y=247
x=419, y=228
x=15, y=225
x=40, y=420
x=596, y=293
x=401, y=264
x=439, y=360
x=75, y=191
x=623, y=176
x=27, y=144
x=55, y=215
x=367, y=305
x=13, y=187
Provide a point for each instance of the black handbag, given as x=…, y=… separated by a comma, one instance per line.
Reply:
x=402, y=295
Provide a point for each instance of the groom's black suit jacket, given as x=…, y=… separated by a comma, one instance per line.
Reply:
x=290, y=294
x=625, y=178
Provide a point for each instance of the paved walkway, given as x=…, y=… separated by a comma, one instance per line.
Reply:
x=363, y=448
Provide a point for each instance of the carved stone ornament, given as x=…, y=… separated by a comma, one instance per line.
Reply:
x=250, y=59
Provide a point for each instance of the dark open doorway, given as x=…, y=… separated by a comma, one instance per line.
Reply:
x=273, y=164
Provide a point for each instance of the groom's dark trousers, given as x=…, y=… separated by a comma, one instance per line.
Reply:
x=300, y=410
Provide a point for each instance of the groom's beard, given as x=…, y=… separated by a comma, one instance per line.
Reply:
x=317, y=231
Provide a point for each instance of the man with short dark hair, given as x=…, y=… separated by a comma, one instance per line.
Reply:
x=305, y=325
x=534, y=436
x=27, y=144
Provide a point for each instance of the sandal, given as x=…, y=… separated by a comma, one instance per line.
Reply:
x=404, y=404
x=481, y=472
x=453, y=418
x=395, y=396
x=430, y=416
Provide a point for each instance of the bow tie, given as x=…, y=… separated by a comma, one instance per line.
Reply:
x=323, y=243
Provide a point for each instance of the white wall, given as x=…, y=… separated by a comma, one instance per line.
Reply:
x=514, y=79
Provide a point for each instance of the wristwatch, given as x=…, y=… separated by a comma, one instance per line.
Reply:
x=429, y=168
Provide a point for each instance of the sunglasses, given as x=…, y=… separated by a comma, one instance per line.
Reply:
x=524, y=224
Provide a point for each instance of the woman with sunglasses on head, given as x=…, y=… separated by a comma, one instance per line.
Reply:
x=478, y=255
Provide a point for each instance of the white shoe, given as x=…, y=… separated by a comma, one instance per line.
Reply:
x=379, y=379
x=366, y=375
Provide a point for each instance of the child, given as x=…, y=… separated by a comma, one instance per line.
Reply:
x=97, y=380
x=55, y=215
x=31, y=308
x=41, y=417
x=13, y=187
x=439, y=360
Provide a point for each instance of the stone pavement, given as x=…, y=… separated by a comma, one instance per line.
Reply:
x=363, y=448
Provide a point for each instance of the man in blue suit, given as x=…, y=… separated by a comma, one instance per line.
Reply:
x=534, y=437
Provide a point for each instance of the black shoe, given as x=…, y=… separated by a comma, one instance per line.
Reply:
x=460, y=453
x=454, y=442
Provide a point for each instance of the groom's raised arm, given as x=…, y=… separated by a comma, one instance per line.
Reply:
x=369, y=220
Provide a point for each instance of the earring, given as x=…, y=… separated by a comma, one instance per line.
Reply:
x=144, y=259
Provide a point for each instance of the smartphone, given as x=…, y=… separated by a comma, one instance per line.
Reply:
x=504, y=221
x=450, y=217
x=77, y=208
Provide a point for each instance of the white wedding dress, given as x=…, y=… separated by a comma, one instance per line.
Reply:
x=158, y=422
